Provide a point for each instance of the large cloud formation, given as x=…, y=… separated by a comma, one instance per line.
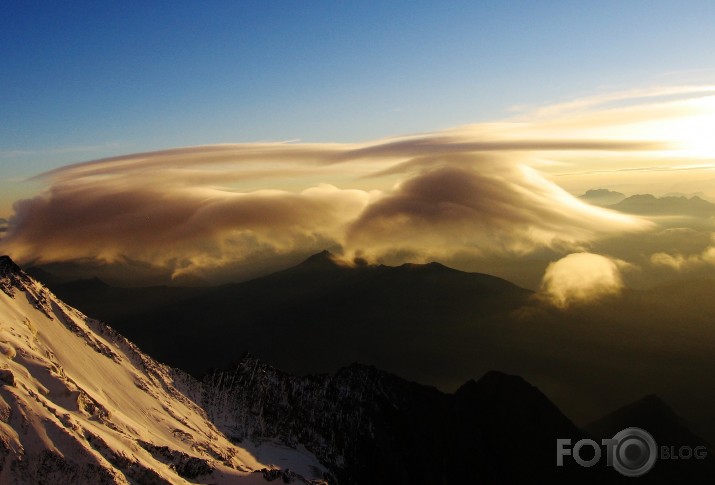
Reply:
x=489, y=207
x=477, y=190
x=201, y=208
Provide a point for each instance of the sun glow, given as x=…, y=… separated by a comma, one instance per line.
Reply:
x=675, y=127
x=692, y=134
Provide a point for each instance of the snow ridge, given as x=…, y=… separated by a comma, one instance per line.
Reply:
x=80, y=404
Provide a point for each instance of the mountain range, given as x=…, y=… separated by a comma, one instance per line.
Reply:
x=430, y=324
x=671, y=210
x=602, y=197
x=82, y=404
x=647, y=204
x=313, y=317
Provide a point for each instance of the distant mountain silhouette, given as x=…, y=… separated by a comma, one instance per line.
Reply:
x=315, y=316
x=359, y=424
x=432, y=324
x=698, y=210
x=668, y=429
x=123, y=271
x=113, y=304
x=681, y=194
x=602, y=197
x=647, y=204
x=322, y=260
x=48, y=278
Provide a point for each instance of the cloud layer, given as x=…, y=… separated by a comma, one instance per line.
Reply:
x=189, y=210
x=478, y=190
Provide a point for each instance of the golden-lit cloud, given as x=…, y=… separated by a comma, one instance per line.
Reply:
x=685, y=262
x=678, y=117
x=184, y=228
x=171, y=210
x=581, y=277
x=488, y=208
x=497, y=189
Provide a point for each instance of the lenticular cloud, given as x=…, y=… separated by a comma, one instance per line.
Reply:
x=195, y=210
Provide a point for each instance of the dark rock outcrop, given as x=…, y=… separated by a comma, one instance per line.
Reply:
x=369, y=426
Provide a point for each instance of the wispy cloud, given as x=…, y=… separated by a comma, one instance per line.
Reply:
x=639, y=98
x=19, y=153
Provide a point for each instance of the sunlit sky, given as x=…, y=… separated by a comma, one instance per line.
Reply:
x=352, y=109
x=83, y=80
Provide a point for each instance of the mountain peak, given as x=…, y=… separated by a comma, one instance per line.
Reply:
x=652, y=401
x=7, y=266
x=322, y=255
x=11, y=276
x=431, y=266
x=646, y=409
x=496, y=381
x=323, y=259
x=602, y=197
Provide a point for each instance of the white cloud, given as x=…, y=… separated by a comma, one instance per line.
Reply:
x=581, y=277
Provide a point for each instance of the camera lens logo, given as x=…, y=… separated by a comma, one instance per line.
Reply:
x=632, y=452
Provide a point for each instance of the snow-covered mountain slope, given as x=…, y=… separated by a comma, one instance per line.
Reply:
x=80, y=404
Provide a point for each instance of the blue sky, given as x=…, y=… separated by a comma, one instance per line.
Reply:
x=83, y=80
